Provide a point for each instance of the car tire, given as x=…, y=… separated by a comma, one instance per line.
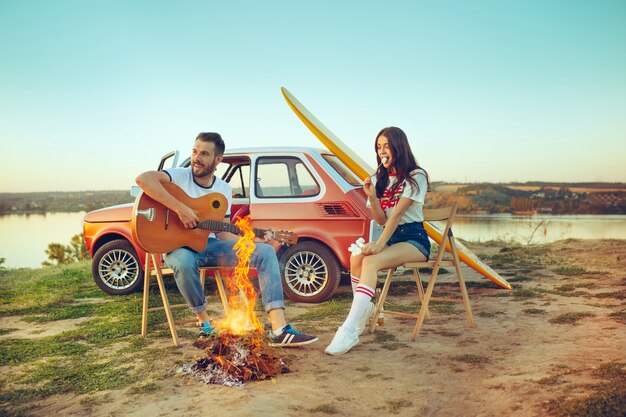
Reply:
x=116, y=268
x=310, y=272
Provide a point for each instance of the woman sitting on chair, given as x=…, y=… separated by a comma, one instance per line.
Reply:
x=395, y=196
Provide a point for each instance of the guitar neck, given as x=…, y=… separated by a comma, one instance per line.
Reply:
x=217, y=226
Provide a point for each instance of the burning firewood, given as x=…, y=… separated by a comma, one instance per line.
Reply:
x=234, y=360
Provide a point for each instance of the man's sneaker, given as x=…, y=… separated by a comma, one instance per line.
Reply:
x=365, y=318
x=290, y=337
x=206, y=330
x=343, y=341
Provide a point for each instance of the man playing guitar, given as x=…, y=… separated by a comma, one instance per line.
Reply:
x=198, y=180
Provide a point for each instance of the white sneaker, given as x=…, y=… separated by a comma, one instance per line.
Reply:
x=343, y=341
x=365, y=318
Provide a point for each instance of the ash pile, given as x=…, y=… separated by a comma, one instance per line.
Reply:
x=233, y=360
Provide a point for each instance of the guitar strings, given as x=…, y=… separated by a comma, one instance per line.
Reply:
x=257, y=231
x=164, y=213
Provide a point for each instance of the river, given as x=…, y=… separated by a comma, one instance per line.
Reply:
x=24, y=238
x=539, y=228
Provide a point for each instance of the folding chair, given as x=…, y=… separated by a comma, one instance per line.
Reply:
x=153, y=267
x=444, y=214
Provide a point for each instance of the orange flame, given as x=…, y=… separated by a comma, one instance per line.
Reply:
x=241, y=317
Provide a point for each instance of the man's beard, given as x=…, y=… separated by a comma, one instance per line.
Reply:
x=205, y=172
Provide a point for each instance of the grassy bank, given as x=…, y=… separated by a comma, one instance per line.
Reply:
x=63, y=341
x=94, y=343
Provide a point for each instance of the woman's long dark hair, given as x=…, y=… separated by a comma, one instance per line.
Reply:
x=403, y=161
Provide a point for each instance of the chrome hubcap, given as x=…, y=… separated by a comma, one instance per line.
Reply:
x=306, y=273
x=118, y=269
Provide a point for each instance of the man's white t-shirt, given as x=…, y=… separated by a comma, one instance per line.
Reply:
x=183, y=177
x=389, y=201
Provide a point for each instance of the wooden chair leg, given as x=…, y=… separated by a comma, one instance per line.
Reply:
x=202, y=277
x=457, y=265
x=146, y=293
x=420, y=288
x=166, y=304
x=381, y=300
x=221, y=290
x=425, y=302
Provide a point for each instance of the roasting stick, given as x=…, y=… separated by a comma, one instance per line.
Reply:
x=357, y=247
x=382, y=161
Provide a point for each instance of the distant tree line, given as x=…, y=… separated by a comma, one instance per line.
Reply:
x=594, y=185
x=68, y=202
x=497, y=198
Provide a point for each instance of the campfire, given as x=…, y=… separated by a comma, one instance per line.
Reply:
x=241, y=352
x=234, y=360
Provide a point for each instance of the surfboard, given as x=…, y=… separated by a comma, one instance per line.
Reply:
x=328, y=138
x=362, y=169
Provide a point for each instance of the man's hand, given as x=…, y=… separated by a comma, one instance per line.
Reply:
x=187, y=216
x=267, y=237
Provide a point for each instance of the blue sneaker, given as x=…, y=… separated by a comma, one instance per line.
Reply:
x=290, y=337
x=206, y=330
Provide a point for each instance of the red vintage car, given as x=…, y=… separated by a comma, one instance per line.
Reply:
x=304, y=190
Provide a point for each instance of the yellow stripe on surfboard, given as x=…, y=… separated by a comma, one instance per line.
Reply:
x=363, y=170
x=328, y=138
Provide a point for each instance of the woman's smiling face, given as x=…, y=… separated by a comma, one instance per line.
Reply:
x=384, y=151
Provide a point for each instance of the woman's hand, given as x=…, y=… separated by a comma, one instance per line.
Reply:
x=372, y=248
x=370, y=190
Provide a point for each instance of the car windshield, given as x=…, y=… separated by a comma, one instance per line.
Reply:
x=343, y=170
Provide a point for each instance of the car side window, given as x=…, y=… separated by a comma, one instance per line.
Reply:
x=239, y=180
x=343, y=170
x=306, y=181
x=284, y=177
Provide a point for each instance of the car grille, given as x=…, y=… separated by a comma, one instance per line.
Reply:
x=337, y=209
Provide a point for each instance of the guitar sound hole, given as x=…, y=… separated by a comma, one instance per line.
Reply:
x=216, y=204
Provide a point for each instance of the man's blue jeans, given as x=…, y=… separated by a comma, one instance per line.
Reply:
x=185, y=263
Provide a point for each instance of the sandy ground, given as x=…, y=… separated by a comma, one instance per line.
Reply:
x=520, y=360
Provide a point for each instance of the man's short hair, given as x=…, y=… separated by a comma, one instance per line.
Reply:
x=215, y=138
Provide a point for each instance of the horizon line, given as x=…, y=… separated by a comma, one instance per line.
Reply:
x=534, y=182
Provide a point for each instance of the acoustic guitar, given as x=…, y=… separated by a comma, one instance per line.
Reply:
x=158, y=229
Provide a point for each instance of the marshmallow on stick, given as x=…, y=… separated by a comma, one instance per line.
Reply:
x=357, y=248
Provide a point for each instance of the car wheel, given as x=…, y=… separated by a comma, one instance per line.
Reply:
x=310, y=272
x=116, y=268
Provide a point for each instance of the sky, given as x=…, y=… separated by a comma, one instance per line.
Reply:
x=93, y=93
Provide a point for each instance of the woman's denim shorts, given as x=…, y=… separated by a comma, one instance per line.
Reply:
x=413, y=233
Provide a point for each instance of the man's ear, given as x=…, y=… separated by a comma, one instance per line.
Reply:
x=219, y=158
